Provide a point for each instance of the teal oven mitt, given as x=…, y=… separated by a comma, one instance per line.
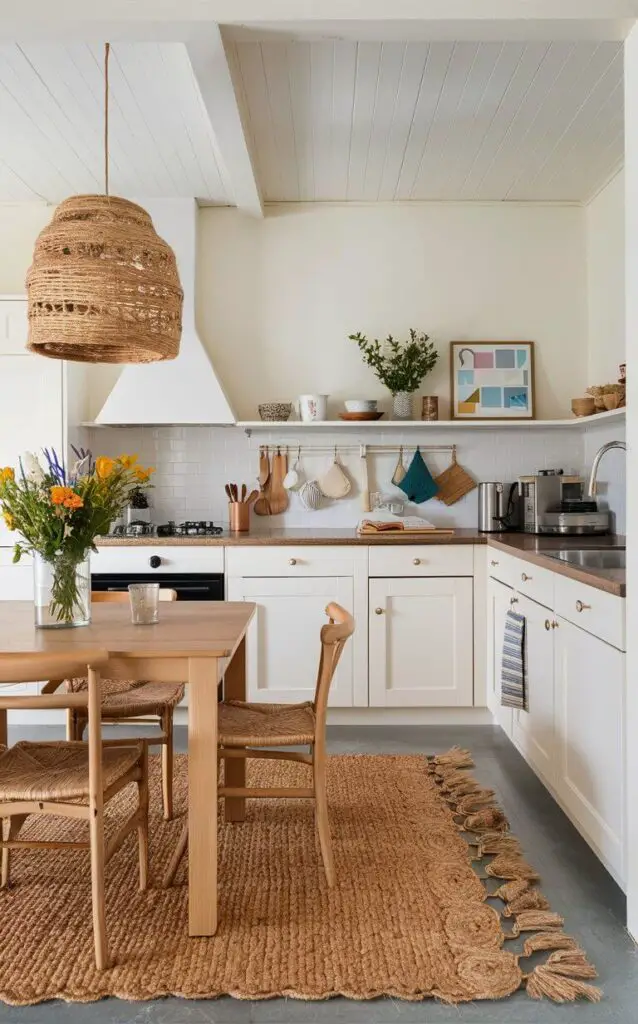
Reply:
x=418, y=483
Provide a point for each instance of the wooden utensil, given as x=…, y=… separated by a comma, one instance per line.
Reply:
x=252, y=497
x=243, y=492
x=262, y=505
x=278, y=498
x=228, y=492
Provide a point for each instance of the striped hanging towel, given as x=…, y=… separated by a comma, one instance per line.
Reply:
x=513, y=676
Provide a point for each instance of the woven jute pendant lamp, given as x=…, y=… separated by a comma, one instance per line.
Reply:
x=103, y=286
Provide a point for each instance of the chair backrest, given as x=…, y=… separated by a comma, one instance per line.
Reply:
x=118, y=596
x=333, y=640
x=25, y=668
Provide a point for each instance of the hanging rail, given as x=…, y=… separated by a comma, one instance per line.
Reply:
x=361, y=449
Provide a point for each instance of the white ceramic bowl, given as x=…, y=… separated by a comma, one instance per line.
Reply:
x=361, y=405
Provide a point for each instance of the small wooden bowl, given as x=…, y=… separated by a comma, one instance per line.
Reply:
x=583, y=406
x=611, y=400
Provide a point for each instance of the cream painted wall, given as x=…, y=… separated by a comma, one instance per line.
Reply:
x=277, y=298
x=20, y=224
x=605, y=232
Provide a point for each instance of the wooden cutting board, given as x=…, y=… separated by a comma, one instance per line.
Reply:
x=277, y=493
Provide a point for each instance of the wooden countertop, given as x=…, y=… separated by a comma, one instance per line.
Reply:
x=290, y=535
x=533, y=549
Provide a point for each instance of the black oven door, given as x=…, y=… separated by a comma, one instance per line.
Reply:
x=192, y=586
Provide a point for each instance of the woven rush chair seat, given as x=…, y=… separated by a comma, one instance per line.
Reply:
x=58, y=771
x=125, y=699
x=269, y=725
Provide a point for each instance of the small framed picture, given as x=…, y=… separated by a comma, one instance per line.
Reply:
x=492, y=380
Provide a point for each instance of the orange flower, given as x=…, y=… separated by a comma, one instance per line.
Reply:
x=143, y=475
x=59, y=495
x=128, y=461
x=9, y=520
x=73, y=501
x=7, y=474
x=104, y=466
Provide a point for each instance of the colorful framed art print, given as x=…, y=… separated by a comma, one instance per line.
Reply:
x=492, y=380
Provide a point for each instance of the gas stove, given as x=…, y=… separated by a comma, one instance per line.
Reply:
x=189, y=528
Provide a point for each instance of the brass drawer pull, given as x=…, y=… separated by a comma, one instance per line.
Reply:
x=548, y=625
x=416, y=561
x=580, y=607
x=525, y=577
x=378, y=611
x=513, y=600
x=494, y=563
x=292, y=561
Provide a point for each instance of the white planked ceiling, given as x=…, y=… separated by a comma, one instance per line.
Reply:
x=51, y=123
x=368, y=121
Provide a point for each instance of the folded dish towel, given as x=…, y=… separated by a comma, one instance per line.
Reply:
x=513, y=676
x=418, y=483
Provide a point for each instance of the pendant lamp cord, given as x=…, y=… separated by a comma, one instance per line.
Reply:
x=107, y=50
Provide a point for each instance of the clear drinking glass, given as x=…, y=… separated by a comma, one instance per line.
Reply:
x=144, y=598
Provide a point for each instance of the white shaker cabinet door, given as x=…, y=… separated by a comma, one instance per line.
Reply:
x=533, y=731
x=590, y=687
x=498, y=604
x=283, y=646
x=14, y=326
x=421, y=642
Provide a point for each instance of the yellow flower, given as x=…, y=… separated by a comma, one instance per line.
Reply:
x=7, y=474
x=143, y=475
x=104, y=466
x=59, y=495
x=73, y=501
x=9, y=520
x=127, y=460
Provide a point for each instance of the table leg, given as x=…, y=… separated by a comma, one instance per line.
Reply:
x=3, y=727
x=235, y=768
x=202, y=795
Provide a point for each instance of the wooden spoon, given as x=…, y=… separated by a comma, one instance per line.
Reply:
x=262, y=505
x=278, y=498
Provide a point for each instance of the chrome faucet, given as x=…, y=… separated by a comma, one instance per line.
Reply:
x=591, y=490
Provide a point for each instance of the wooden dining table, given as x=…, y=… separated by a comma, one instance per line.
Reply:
x=194, y=642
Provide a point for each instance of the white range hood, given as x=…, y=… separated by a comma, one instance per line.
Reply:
x=182, y=390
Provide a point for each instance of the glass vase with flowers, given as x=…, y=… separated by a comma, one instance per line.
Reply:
x=58, y=514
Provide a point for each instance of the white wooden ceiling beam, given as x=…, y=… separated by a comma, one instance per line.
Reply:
x=212, y=73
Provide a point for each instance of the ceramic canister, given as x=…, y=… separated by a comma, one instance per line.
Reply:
x=313, y=407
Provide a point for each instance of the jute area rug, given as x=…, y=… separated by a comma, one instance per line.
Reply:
x=409, y=917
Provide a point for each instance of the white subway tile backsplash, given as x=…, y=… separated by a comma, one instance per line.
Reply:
x=193, y=464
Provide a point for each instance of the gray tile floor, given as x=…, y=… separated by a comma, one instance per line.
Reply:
x=572, y=878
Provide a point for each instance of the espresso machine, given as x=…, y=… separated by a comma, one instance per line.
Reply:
x=552, y=503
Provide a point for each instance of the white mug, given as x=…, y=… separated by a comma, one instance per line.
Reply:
x=313, y=407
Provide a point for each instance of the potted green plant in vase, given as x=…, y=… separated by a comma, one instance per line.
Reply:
x=400, y=365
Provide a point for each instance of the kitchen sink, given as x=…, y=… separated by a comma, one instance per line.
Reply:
x=591, y=558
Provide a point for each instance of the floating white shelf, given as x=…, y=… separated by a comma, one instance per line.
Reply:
x=364, y=425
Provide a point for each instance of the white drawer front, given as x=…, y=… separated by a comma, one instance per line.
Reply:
x=531, y=580
x=173, y=558
x=293, y=560
x=422, y=560
x=593, y=610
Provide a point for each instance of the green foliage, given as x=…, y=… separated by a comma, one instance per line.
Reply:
x=400, y=365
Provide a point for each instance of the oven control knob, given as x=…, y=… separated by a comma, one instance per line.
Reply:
x=155, y=561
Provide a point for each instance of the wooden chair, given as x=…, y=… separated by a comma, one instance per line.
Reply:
x=244, y=728
x=135, y=703
x=71, y=779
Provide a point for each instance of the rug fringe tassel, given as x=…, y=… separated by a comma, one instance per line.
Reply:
x=560, y=978
x=564, y=976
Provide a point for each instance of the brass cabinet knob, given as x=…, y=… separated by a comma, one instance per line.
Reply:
x=378, y=611
x=416, y=561
x=554, y=624
x=525, y=577
x=513, y=600
x=548, y=625
x=494, y=563
x=580, y=607
x=292, y=561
